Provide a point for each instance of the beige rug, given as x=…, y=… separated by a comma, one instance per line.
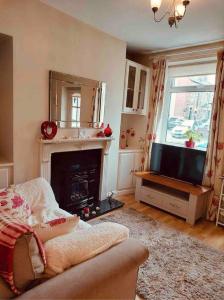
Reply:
x=179, y=266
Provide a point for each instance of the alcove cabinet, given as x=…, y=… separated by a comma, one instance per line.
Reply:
x=136, y=88
x=129, y=163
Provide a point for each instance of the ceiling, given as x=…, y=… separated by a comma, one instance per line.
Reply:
x=132, y=21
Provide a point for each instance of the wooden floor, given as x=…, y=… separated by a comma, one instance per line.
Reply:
x=203, y=230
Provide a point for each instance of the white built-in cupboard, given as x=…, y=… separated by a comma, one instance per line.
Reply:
x=136, y=88
x=128, y=163
x=134, y=111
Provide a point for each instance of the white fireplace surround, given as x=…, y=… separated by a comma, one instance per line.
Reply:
x=47, y=147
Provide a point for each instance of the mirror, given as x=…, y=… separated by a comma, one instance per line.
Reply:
x=76, y=102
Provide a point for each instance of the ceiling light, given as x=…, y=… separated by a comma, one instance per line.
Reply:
x=180, y=11
x=156, y=4
x=175, y=12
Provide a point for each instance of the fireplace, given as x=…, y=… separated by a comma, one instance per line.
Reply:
x=75, y=179
x=77, y=169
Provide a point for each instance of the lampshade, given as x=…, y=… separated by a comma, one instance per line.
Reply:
x=180, y=10
x=156, y=3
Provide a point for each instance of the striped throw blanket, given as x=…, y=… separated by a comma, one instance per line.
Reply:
x=10, y=231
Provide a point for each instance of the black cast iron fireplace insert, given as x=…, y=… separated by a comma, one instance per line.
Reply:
x=75, y=178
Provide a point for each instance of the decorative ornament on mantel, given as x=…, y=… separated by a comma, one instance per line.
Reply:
x=175, y=11
x=100, y=134
x=108, y=131
x=49, y=130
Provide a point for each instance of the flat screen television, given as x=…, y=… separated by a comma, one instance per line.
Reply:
x=177, y=162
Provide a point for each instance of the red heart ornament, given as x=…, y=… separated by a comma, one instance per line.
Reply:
x=49, y=129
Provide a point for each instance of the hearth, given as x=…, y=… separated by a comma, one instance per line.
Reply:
x=75, y=179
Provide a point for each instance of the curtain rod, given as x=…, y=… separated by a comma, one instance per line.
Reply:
x=196, y=51
x=186, y=52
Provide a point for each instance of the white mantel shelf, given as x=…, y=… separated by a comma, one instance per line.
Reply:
x=75, y=144
x=77, y=140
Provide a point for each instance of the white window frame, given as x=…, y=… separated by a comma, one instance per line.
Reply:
x=169, y=90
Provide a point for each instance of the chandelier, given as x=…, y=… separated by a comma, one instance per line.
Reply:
x=175, y=12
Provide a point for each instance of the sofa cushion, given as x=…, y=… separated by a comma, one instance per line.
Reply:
x=54, y=228
x=44, y=206
x=13, y=205
x=78, y=246
x=38, y=193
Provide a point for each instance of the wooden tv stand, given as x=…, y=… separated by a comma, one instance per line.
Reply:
x=179, y=198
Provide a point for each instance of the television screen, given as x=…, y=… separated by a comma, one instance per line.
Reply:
x=185, y=164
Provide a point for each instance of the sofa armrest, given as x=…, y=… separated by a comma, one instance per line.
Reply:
x=110, y=275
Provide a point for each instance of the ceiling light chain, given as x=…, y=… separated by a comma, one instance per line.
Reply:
x=176, y=12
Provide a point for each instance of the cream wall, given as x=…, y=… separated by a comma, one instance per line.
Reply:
x=138, y=123
x=45, y=39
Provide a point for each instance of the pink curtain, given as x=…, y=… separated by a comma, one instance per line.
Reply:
x=215, y=155
x=155, y=107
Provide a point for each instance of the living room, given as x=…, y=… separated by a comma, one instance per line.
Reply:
x=111, y=123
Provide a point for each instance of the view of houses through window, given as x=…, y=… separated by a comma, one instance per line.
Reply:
x=189, y=106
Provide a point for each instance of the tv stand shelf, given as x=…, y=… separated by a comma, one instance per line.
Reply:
x=177, y=197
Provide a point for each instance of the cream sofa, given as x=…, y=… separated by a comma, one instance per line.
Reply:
x=109, y=275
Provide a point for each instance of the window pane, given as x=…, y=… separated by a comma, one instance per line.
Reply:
x=74, y=113
x=74, y=99
x=194, y=80
x=130, y=98
x=189, y=111
x=142, y=86
x=131, y=77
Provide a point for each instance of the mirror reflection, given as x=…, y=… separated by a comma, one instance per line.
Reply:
x=76, y=101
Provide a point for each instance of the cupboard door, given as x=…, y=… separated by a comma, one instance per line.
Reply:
x=125, y=171
x=130, y=86
x=136, y=88
x=143, y=91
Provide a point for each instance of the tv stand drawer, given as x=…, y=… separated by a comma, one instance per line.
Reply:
x=151, y=197
x=177, y=207
x=164, y=201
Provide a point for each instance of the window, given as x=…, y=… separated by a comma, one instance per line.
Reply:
x=188, y=104
x=76, y=102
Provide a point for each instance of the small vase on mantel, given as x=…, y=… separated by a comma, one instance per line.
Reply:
x=108, y=131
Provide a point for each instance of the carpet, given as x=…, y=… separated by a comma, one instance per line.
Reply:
x=179, y=267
